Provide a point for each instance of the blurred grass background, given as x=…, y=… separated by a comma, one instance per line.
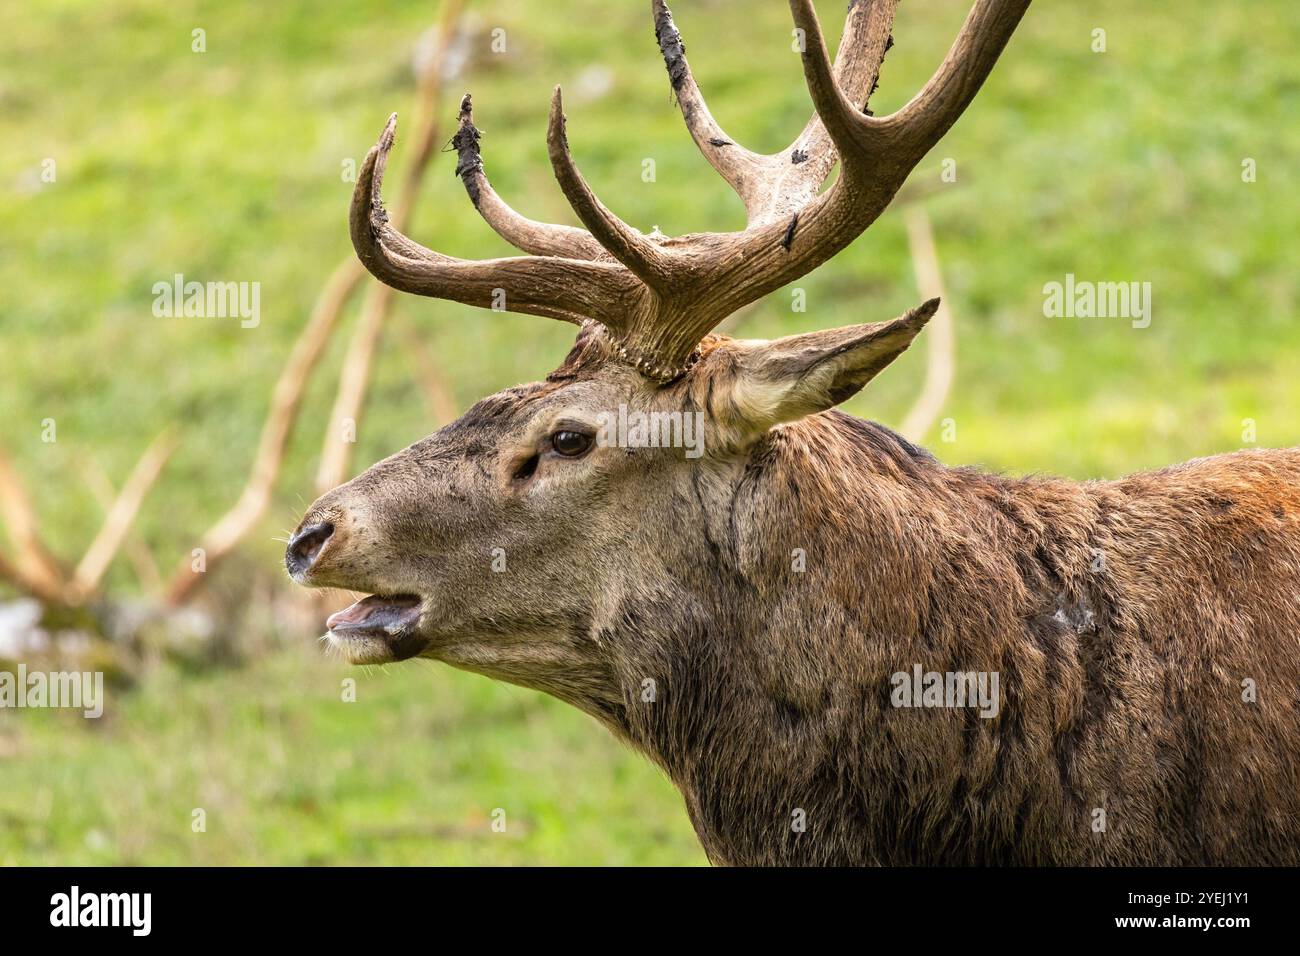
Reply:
x=1117, y=166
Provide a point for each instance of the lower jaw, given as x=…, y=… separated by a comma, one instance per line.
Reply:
x=362, y=647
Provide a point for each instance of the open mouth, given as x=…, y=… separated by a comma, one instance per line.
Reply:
x=391, y=616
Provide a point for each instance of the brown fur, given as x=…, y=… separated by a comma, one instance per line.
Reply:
x=1123, y=687
x=1121, y=616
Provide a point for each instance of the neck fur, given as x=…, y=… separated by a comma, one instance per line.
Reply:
x=845, y=555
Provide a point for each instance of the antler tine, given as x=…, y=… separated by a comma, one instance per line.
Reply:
x=528, y=235
x=572, y=290
x=867, y=38
x=836, y=113
x=774, y=185
x=983, y=36
x=645, y=260
x=734, y=163
x=903, y=137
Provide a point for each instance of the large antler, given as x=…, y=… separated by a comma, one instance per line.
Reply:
x=658, y=296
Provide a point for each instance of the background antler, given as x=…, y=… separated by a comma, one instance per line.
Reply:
x=659, y=296
x=35, y=570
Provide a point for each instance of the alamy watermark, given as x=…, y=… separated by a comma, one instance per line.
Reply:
x=637, y=429
x=78, y=690
x=922, y=688
x=210, y=300
x=133, y=911
x=1081, y=299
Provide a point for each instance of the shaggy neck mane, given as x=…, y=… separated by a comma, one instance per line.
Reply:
x=862, y=556
x=846, y=556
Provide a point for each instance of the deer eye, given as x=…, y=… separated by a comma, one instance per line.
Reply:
x=570, y=444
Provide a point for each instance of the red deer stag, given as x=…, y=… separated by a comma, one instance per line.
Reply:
x=840, y=650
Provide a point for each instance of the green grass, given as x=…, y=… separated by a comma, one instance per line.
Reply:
x=1124, y=165
x=287, y=772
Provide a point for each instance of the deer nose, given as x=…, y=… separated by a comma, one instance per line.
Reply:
x=306, y=546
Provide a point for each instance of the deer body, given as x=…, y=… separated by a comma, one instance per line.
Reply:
x=742, y=611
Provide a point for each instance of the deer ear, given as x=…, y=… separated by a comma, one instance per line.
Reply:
x=785, y=379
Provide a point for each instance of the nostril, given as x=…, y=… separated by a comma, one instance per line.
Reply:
x=306, y=547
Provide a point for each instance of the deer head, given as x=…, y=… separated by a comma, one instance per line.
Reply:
x=519, y=539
